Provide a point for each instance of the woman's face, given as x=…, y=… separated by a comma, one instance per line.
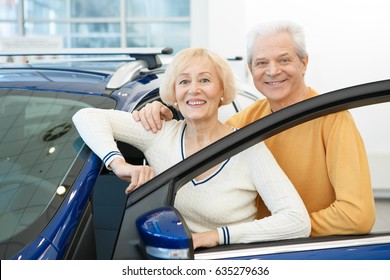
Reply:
x=198, y=91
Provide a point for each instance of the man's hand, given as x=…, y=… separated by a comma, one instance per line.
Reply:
x=135, y=174
x=152, y=114
x=205, y=239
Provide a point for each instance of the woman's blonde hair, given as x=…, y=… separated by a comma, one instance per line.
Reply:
x=189, y=56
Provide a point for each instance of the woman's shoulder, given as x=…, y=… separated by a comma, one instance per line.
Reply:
x=173, y=124
x=171, y=128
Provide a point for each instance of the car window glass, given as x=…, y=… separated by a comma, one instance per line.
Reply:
x=38, y=145
x=371, y=121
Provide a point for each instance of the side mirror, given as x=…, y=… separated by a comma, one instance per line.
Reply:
x=164, y=235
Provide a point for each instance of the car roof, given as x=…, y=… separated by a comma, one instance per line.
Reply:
x=115, y=72
x=119, y=65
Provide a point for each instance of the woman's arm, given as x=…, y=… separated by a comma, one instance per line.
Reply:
x=289, y=217
x=136, y=175
x=99, y=128
x=205, y=239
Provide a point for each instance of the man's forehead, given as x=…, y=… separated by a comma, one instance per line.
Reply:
x=273, y=53
x=275, y=45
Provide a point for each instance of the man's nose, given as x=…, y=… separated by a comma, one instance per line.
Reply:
x=273, y=69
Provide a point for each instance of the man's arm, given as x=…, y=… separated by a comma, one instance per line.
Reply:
x=353, y=211
x=152, y=114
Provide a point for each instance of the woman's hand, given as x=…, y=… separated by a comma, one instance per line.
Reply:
x=152, y=114
x=135, y=174
x=205, y=239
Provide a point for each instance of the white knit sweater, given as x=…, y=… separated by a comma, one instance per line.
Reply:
x=225, y=200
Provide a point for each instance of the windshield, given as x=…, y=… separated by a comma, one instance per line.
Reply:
x=38, y=145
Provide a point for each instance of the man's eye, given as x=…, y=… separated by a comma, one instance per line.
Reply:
x=261, y=63
x=285, y=60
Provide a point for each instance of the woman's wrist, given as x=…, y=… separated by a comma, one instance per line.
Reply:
x=116, y=162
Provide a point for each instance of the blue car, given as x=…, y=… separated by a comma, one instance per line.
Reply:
x=58, y=201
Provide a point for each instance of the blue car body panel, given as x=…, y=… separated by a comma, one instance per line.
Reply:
x=374, y=252
x=54, y=240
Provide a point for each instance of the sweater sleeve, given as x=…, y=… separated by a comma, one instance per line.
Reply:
x=353, y=211
x=289, y=217
x=99, y=128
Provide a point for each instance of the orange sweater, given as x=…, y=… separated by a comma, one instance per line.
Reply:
x=326, y=161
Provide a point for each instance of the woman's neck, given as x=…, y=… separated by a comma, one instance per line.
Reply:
x=198, y=136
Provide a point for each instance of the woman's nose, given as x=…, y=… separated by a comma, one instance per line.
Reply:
x=193, y=88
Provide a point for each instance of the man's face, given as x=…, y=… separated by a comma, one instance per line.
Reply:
x=277, y=71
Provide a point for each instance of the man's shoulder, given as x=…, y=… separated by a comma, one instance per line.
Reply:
x=253, y=112
x=259, y=106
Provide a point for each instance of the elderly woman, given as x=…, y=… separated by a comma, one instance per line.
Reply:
x=219, y=205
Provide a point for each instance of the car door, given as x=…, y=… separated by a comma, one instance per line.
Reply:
x=161, y=190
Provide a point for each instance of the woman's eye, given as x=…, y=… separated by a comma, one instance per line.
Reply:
x=204, y=80
x=183, y=82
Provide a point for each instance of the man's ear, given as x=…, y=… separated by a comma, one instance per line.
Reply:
x=250, y=67
x=305, y=61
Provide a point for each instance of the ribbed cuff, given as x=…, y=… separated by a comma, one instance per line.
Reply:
x=224, y=235
x=110, y=157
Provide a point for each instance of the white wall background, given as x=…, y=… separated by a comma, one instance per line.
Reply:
x=348, y=43
x=348, y=40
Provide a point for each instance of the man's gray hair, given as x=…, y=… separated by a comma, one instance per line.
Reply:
x=295, y=30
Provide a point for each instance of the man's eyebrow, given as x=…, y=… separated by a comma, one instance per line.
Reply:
x=259, y=58
x=284, y=54
x=278, y=55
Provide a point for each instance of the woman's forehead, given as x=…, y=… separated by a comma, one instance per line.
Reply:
x=201, y=65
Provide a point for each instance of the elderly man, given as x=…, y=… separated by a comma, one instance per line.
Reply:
x=324, y=158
